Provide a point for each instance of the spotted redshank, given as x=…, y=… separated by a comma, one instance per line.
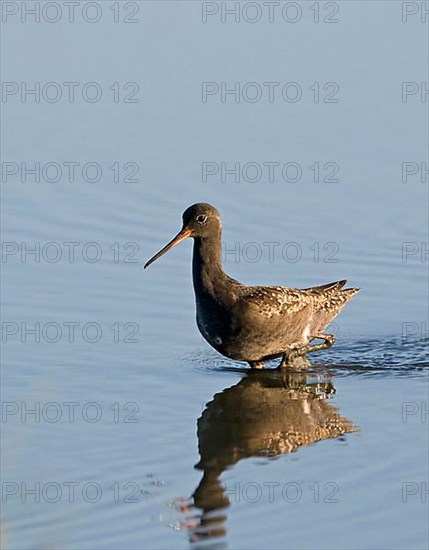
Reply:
x=253, y=323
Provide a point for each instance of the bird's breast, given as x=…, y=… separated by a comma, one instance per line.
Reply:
x=213, y=323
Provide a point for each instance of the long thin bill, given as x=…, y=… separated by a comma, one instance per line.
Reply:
x=181, y=236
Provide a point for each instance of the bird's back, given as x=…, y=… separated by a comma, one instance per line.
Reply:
x=263, y=321
x=297, y=312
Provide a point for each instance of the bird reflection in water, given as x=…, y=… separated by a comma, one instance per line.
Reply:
x=266, y=414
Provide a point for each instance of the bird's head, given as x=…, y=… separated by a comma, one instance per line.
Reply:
x=199, y=221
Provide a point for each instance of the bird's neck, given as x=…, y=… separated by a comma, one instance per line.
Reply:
x=207, y=270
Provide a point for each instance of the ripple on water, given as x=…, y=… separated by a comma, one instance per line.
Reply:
x=360, y=357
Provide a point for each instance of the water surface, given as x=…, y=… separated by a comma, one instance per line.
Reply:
x=172, y=445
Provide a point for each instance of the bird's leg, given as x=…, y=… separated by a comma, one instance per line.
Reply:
x=329, y=339
x=294, y=358
x=285, y=362
x=299, y=353
x=256, y=364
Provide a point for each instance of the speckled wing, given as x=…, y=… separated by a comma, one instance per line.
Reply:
x=328, y=301
x=331, y=297
x=273, y=301
x=328, y=289
x=277, y=300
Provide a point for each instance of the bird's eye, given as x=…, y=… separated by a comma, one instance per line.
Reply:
x=201, y=218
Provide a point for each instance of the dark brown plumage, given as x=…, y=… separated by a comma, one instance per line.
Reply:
x=253, y=323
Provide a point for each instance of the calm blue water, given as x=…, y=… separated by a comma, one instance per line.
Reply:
x=110, y=396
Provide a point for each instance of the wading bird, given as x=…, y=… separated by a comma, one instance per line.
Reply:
x=253, y=323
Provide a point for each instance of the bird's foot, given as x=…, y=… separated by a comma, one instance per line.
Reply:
x=295, y=359
x=328, y=341
x=257, y=364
